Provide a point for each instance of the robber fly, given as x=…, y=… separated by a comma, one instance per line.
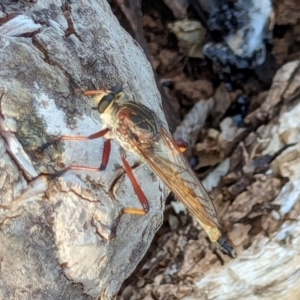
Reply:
x=137, y=129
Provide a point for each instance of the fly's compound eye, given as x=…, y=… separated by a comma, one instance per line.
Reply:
x=105, y=102
x=116, y=89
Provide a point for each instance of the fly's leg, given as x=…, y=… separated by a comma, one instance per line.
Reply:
x=142, y=198
x=140, y=194
x=95, y=92
x=114, y=90
x=133, y=211
x=73, y=167
x=105, y=158
x=94, y=136
x=126, y=210
x=105, y=155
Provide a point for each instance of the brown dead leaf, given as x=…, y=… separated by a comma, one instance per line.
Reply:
x=258, y=192
x=280, y=49
x=197, y=258
x=166, y=291
x=222, y=102
x=285, y=84
x=287, y=164
x=148, y=22
x=239, y=186
x=194, y=90
x=287, y=12
x=190, y=35
x=209, y=153
x=177, y=7
x=239, y=234
x=167, y=57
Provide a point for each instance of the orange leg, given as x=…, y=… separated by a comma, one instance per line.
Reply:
x=105, y=155
x=126, y=210
x=95, y=92
x=135, y=185
x=115, y=90
x=105, y=158
x=73, y=167
x=94, y=136
x=133, y=211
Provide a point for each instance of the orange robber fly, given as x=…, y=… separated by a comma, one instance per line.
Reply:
x=137, y=129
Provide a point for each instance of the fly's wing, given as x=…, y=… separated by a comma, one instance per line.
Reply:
x=166, y=160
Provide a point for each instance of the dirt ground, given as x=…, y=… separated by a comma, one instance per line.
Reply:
x=232, y=136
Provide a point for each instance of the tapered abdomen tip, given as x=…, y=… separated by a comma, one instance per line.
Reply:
x=226, y=247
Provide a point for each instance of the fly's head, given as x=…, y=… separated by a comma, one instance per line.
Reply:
x=128, y=120
x=106, y=101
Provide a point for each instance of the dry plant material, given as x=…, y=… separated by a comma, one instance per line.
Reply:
x=260, y=191
x=222, y=102
x=190, y=127
x=178, y=7
x=193, y=90
x=190, y=36
x=287, y=12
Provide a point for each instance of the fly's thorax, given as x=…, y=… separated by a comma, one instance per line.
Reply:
x=109, y=117
x=107, y=120
x=136, y=123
